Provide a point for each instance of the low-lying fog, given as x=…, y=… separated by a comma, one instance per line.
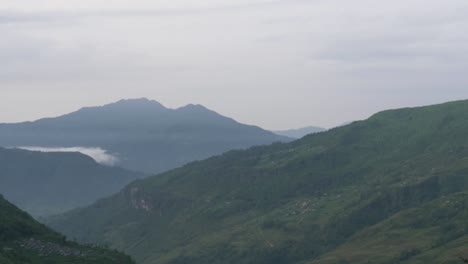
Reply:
x=100, y=155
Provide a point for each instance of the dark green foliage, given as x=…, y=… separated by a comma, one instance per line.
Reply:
x=391, y=189
x=23, y=240
x=51, y=183
x=408, y=253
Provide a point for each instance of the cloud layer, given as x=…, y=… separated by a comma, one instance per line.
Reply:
x=98, y=154
x=322, y=62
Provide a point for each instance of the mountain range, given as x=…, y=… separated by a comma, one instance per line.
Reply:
x=142, y=134
x=51, y=183
x=299, y=132
x=25, y=241
x=389, y=189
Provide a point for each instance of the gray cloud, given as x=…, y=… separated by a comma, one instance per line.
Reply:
x=323, y=62
x=8, y=16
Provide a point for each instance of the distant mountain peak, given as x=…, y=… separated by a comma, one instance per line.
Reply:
x=125, y=106
x=193, y=107
x=142, y=100
x=136, y=103
x=142, y=133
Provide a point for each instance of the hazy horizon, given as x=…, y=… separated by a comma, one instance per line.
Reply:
x=273, y=63
x=266, y=128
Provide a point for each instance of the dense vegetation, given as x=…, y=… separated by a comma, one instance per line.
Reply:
x=390, y=189
x=50, y=183
x=144, y=135
x=25, y=241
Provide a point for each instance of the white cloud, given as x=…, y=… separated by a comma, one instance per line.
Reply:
x=98, y=154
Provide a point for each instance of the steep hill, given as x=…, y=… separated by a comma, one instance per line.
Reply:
x=51, y=183
x=143, y=134
x=390, y=189
x=23, y=240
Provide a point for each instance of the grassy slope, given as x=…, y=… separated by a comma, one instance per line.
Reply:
x=23, y=240
x=316, y=200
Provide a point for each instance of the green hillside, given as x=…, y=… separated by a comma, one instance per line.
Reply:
x=25, y=241
x=49, y=183
x=390, y=189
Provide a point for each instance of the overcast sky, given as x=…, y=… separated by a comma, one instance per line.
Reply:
x=274, y=63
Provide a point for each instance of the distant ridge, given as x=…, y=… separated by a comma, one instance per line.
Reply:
x=142, y=133
x=299, y=132
x=51, y=183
